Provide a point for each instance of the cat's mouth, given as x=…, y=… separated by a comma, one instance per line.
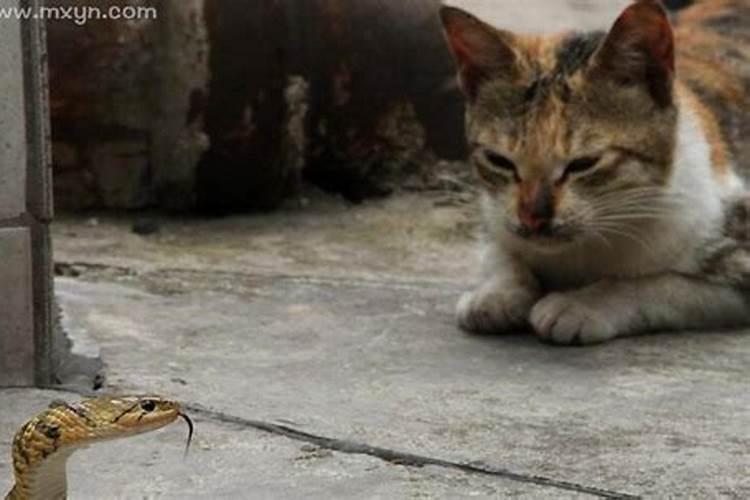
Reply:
x=547, y=236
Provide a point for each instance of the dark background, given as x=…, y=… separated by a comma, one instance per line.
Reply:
x=227, y=106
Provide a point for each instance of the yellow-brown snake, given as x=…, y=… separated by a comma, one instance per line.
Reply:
x=42, y=447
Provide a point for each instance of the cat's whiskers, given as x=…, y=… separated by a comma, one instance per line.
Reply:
x=616, y=214
x=640, y=197
x=628, y=196
x=636, y=214
x=633, y=205
x=639, y=202
x=593, y=232
x=657, y=191
x=630, y=235
x=620, y=213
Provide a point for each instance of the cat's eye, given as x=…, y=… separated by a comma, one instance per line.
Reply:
x=500, y=162
x=582, y=165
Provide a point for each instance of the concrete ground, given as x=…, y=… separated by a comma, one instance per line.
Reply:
x=318, y=353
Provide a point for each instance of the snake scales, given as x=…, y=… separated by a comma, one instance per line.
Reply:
x=42, y=447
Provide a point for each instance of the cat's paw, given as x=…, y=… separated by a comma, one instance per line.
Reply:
x=566, y=319
x=492, y=310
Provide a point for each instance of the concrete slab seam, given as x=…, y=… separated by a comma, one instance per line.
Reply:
x=395, y=457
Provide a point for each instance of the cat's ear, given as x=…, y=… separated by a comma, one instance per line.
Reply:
x=481, y=51
x=639, y=50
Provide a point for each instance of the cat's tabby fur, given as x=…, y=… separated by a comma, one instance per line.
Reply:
x=612, y=163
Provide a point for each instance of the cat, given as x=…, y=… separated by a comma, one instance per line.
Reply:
x=613, y=199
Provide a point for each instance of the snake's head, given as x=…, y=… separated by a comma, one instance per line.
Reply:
x=66, y=427
x=131, y=415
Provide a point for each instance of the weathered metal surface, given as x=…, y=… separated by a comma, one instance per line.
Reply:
x=181, y=76
x=352, y=96
x=245, y=109
x=381, y=99
x=383, y=93
x=100, y=83
x=120, y=100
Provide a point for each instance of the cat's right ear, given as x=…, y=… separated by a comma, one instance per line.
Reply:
x=640, y=50
x=481, y=51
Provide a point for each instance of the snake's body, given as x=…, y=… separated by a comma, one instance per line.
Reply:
x=42, y=447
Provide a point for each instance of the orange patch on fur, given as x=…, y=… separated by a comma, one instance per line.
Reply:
x=697, y=61
x=719, y=149
x=712, y=84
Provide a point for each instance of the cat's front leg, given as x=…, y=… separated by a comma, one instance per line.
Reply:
x=503, y=301
x=610, y=309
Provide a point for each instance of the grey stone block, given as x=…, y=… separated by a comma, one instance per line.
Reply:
x=16, y=316
x=12, y=120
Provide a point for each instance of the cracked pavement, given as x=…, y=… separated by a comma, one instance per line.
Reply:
x=321, y=360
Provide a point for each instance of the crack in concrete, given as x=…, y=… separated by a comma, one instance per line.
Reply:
x=334, y=444
x=404, y=458
x=355, y=448
x=78, y=269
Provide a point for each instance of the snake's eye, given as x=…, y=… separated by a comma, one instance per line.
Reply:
x=148, y=405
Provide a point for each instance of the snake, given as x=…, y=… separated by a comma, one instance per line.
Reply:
x=43, y=445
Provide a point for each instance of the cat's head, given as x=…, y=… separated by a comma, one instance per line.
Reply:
x=572, y=135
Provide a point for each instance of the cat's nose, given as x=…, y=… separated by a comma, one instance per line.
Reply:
x=536, y=207
x=535, y=224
